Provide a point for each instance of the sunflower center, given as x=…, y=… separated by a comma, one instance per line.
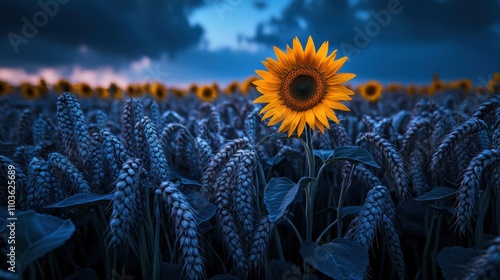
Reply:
x=370, y=90
x=303, y=88
x=207, y=92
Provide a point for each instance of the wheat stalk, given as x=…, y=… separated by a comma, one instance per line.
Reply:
x=363, y=228
x=43, y=186
x=152, y=151
x=24, y=131
x=63, y=166
x=217, y=163
x=393, y=159
x=394, y=247
x=468, y=191
x=185, y=228
x=260, y=240
x=417, y=127
x=125, y=202
x=132, y=114
x=447, y=145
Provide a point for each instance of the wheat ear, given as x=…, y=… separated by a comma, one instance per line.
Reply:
x=185, y=228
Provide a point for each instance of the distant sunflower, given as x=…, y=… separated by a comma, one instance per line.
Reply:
x=411, y=89
x=436, y=86
x=84, y=90
x=158, y=91
x=494, y=87
x=42, y=87
x=394, y=87
x=422, y=90
x=303, y=86
x=115, y=91
x=103, y=93
x=206, y=93
x=147, y=88
x=372, y=91
x=496, y=77
x=63, y=86
x=5, y=88
x=193, y=88
x=29, y=91
x=135, y=90
x=465, y=85
x=231, y=88
x=247, y=85
x=216, y=87
x=180, y=93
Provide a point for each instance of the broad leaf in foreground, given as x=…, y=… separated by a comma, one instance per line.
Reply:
x=339, y=259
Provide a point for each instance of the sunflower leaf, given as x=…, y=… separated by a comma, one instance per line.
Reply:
x=454, y=261
x=437, y=193
x=80, y=199
x=339, y=259
x=324, y=155
x=274, y=136
x=38, y=234
x=353, y=154
x=279, y=193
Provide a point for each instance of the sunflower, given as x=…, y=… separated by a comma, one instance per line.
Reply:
x=496, y=77
x=465, y=85
x=147, y=88
x=248, y=84
x=436, y=86
x=206, y=93
x=180, y=93
x=303, y=86
x=411, y=89
x=135, y=90
x=371, y=91
x=115, y=91
x=42, y=86
x=63, y=86
x=158, y=91
x=103, y=93
x=29, y=91
x=193, y=88
x=394, y=87
x=84, y=90
x=5, y=88
x=216, y=87
x=231, y=88
x=494, y=87
x=423, y=90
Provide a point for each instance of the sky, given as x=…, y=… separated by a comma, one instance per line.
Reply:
x=182, y=41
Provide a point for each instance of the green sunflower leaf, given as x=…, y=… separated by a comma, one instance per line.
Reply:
x=353, y=154
x=279, y=193
x=437, y=193
x=454, y=261
x=339, y=259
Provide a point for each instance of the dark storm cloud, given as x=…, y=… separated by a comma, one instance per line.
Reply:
x=418, y=21
x=396, y=39
x=118, y=29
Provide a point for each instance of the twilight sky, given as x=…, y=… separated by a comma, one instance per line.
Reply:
x=181, y=41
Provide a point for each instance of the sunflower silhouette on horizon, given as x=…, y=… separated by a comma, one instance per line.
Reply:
x=302, y=87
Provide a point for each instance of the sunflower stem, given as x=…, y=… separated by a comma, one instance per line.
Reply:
x=311, y=190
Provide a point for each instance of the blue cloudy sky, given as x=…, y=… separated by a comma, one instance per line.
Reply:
x=178, y=42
